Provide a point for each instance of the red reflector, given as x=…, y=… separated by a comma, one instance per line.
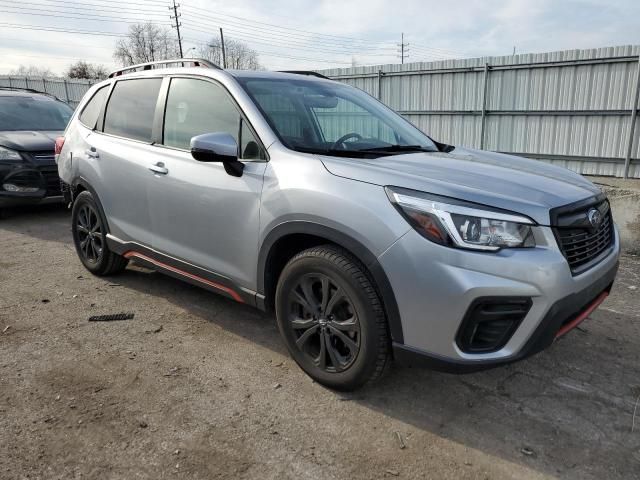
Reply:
x=59, y=145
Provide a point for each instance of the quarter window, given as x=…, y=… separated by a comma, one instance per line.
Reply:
x=91, y=110
x=131, y=108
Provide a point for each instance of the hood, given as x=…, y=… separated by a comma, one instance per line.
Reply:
x=29, y=141
x=521, y=185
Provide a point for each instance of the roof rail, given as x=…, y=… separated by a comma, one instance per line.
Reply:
x=30, y=90
x=178, y=62
x=306, y=72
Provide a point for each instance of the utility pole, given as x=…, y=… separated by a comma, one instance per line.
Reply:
x=175, y=17
x=224, y=52
x=403, y=49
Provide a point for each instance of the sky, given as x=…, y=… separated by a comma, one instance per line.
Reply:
x=316, y=34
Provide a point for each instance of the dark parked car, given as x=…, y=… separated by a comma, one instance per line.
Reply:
x=30, y=121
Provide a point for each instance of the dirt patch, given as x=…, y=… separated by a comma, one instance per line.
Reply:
x=197, y=398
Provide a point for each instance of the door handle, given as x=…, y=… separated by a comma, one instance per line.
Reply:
x=159, y=168
x=92, y=153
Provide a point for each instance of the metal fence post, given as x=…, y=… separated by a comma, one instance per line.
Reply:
x=380, y=85
x=66, y=90
x=44, y=85
x=485, y=82
x=10, y=83
x=632, y=122
x=26, y=82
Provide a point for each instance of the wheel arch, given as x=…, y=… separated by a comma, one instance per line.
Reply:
x=290, y=238
x=80, y=185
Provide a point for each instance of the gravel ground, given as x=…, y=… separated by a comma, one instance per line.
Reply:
x=198, y=387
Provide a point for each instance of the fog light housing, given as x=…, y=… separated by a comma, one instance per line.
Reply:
x=490, y=322
x=10, y=187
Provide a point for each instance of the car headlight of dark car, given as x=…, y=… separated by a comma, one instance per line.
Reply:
x=8, y=155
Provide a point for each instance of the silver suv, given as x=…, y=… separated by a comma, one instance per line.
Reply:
x=370, y=241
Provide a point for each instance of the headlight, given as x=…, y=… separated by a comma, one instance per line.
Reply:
x=461, y=224
x=10, y=155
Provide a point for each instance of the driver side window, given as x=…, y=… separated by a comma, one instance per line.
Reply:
x=197, y=106
x=347, y=117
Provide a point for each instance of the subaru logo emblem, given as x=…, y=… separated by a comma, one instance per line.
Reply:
x=595, y=217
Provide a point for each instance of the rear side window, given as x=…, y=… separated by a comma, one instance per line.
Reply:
x=90, y=112
x=131, y=108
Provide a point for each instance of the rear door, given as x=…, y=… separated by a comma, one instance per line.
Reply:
x=201, y=214
x=119, y=158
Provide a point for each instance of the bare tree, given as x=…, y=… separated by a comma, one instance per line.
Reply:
x=89, y=71
x=239, y=55
x=32, y=71
x=146, y=43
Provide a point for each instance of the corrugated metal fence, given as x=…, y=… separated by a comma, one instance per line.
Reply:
x=70, y=91
x=576, y=108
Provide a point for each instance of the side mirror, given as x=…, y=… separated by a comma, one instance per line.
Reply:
x=218, y=147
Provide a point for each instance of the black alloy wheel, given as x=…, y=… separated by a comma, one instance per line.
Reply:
x=325, y=322
x=89, y=228
x=331, y=318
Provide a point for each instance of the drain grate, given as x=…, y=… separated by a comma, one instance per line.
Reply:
x=112, y=317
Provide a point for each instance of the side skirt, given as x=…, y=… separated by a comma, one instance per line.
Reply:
x=181, y=270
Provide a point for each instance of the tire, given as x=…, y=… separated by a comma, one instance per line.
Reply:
x=331, y=318
x=88, y=227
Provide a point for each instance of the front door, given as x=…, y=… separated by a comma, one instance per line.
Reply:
x=200, y=214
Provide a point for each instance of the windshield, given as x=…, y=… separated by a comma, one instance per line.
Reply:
x=333, y=119
x=33, y=113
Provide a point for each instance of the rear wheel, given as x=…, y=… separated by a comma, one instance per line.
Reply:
x=331, y=318
x=90, y=238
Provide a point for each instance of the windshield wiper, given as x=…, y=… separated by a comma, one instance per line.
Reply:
x=336, y=152
x=398, y=148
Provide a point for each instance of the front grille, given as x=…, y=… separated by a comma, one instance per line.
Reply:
x=581, y=243
x=52, y=180
x=43, y=157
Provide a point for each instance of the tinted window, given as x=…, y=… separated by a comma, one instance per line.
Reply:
x=332, y=118
x=249, y=147
x=195, y=107
x=90, y=113
x=40, y=112
x=131, y=108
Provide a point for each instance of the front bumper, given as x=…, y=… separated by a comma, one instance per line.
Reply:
x=41, y=180
x=434, y=287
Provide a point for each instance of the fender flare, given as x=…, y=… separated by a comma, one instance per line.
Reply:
x=82, y=182
x=360, y=251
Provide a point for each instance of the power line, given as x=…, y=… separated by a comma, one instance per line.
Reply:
x=309, y=36
x=61, y=30
x=278, y=54
x=78, y=6
x=368, y=41
x=102, y=18
x=262, y=38
x=288, y=36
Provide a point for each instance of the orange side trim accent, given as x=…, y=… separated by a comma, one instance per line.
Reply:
x=215, y=285
x=582, y=316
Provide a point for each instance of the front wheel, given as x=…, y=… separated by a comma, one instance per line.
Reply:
x=90, y=238
x=331, y=318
